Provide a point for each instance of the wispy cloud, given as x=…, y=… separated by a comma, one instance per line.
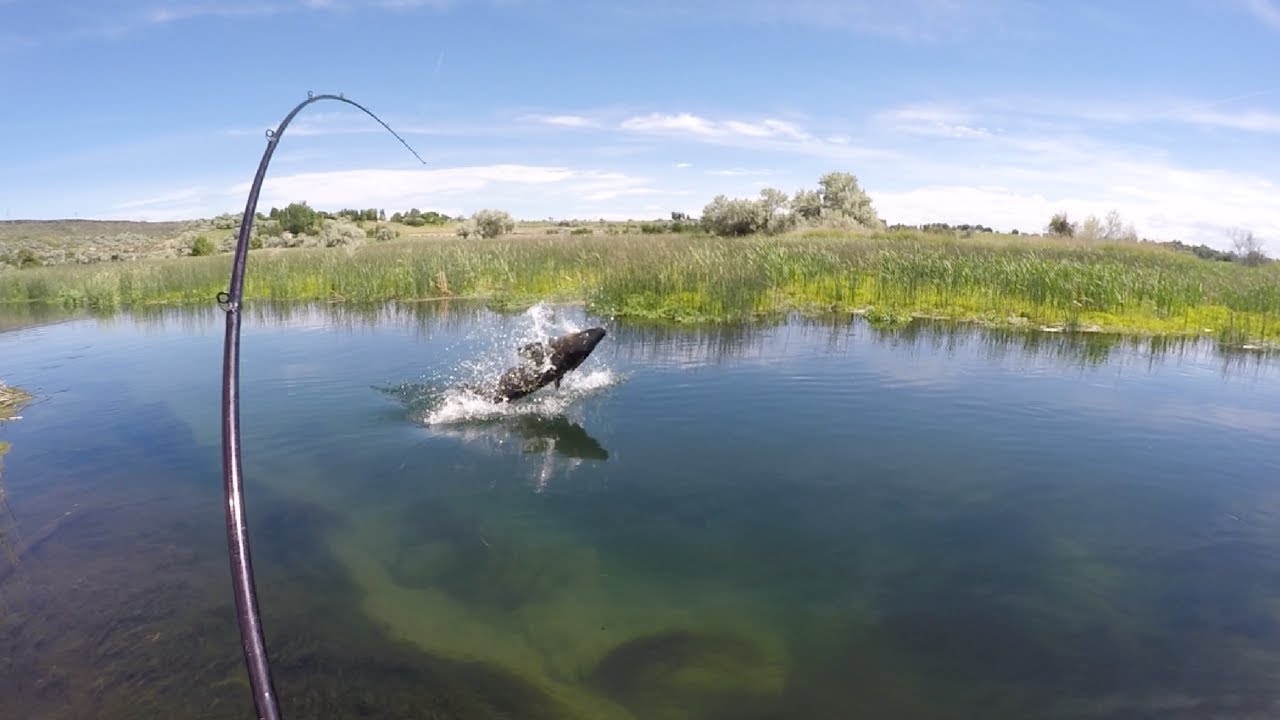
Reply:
x=187, y=11
x=688, y=123
x=977, y=115
x=912, y=21
x=105, y=20
x=1265, y=10
x=768, y=134
x=1250, y=120
x=165, y=200
x=935, y=121
x=567, y=121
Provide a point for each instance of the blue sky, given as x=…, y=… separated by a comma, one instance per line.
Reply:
x=998, y=112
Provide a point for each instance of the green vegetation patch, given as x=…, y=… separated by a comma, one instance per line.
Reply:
x=1011, y=281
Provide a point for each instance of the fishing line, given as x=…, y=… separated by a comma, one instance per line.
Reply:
x=255, y=650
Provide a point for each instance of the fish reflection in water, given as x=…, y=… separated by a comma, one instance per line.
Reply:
x=562, y=443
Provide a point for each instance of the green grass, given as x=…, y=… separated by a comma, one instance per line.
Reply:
x=997, y=280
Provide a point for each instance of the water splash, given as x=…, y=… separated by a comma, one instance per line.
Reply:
x=452, y=398
x=464, y=405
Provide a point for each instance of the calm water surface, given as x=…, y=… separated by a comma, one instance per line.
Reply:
x=806, y=520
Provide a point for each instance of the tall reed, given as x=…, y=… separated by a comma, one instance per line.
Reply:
x=1012, y=281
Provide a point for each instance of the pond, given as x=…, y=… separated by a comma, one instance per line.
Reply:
x=804, y=519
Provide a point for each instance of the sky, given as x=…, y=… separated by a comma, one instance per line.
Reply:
x=993, y=112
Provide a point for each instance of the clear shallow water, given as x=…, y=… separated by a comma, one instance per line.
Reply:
x=812, y=520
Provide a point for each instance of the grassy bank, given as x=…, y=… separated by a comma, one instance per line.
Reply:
x=996, y=280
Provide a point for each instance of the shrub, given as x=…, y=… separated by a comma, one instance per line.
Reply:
x=1060, y=225
x=201, y=246
x=226, y=221
x=487, y=224
x=335, y=233
x=28, y=258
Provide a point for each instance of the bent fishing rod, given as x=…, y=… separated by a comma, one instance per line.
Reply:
x=250, y=621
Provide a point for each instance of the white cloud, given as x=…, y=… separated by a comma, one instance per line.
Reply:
x=1011, y=166
x=566, y=121
x=688, y=123
x=1163, y=202
x=766, y=129
x=684, y=123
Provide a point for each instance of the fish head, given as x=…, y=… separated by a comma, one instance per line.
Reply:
x=572, y=349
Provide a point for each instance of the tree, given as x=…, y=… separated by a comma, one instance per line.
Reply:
x=1116, y=230
x=413, y=218
x=297, y=218
x=838, y=202
x=844, y=201
x=1060, y=225
x=1247, y=247
x=807, y=206
x=1090, y=229
x=1110, y=229
x=737, y=217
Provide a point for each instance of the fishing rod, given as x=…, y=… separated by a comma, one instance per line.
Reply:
x=250, y=621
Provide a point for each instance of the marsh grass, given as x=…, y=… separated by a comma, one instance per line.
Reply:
x=1010, y=281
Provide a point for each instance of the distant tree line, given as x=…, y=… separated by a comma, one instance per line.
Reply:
x=417, y=218
x=945, y=228
x=1246, y=248
x=300, y=219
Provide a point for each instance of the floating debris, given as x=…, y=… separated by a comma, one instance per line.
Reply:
x=12, y=399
